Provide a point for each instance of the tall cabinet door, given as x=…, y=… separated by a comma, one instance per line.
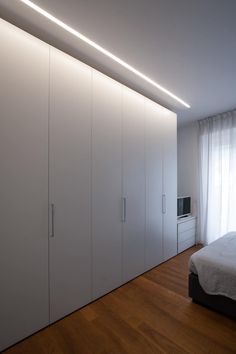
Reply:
x=133, y=184
x=153, y=144
x=169, y=184
x=24, y=78
x=70, y=182
x=106, y=184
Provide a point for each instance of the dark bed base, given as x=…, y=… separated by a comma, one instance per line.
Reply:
x=216, y=302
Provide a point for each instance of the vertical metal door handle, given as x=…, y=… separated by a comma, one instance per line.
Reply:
x=52, y=219
x=163, y=203
x=123, y=218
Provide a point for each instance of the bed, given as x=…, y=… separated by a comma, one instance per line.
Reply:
x=212, y=278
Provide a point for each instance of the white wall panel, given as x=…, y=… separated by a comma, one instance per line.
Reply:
x=106, y=184
x=154, y=150
x=133, y=183
x=70, y=184
x=170, y=184
x=24, y=82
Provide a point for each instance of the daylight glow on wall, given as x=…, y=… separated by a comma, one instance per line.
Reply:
x=102, y=50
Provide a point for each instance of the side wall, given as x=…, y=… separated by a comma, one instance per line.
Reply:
x=187, y=138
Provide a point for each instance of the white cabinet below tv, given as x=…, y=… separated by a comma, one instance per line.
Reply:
x=186, y=227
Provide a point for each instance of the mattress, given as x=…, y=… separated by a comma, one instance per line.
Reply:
x=215, y=266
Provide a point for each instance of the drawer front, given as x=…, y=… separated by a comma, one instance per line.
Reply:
x=186, y=244
x=186, y=235
x=187, y=225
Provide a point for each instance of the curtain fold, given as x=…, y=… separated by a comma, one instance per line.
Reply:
x=217, y=172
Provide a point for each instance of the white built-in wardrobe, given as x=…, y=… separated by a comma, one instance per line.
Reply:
x=87, y=184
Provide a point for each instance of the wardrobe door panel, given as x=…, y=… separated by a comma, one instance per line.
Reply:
x=70, y=180
x=24, y=78
x=133, y=184
x=153, y=148
x=170, y=185
x=106, y=184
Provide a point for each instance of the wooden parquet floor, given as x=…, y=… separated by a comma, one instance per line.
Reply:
x=151, y=314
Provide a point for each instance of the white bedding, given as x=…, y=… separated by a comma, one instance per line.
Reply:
x=215, y=266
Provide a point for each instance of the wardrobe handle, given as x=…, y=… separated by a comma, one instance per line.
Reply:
x=123, y=218
x=163, y=203
x=52, y=220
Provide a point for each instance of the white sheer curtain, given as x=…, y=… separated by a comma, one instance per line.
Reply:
x=217, y=167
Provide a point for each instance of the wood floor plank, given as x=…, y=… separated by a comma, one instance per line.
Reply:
x=151, y=314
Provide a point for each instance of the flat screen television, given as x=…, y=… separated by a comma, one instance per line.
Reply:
x=183, y=206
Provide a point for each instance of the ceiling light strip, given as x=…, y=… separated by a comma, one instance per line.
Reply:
x=102, y=50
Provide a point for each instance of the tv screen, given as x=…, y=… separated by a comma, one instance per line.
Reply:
x=183, y=206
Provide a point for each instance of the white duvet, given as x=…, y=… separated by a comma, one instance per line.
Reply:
x=215, y=266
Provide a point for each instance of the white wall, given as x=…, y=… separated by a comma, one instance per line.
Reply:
x=188, y=163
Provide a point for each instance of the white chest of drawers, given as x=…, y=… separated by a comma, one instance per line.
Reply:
x=186, y=232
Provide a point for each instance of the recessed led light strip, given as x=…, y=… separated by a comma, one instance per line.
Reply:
x=102, y=50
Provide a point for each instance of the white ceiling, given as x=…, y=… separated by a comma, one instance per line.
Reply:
x=188, y=46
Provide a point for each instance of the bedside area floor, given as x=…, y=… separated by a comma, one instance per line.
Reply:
x=150, y=314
